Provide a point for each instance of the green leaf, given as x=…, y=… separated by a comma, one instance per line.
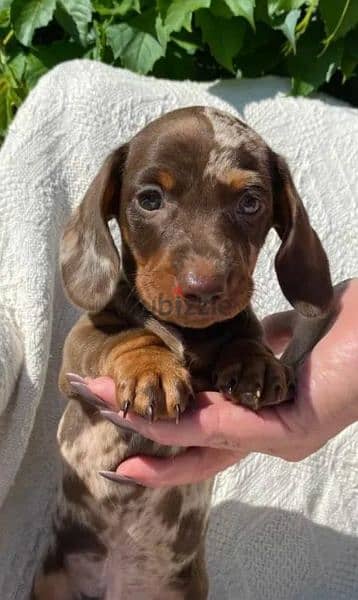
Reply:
x=243, y=8
x=188, y=46
x=220, y=9
x=34, y=69
x=339, y=16
x=146, y=21
x=137, y=50
x=43, y=58
x=179, y=11
x=17, y=66
x=177, y=64
x=311, y=67
x=351, y=43
x=261, y=12
x=28, y=15
x=161, y=32
x=224, y=38
x=187, y=22
x=350, y=55
x=5, y=116
x=9, y=102
x=5, y=4
x=261, y=52
x=57, y=52
x=4, y=18
x=348, y=66
x=151, y=22
x=276, y=7
x=112, y=8
x=301, y=88
x=288, y=27
x=5, y=13
x=162, y=7
x=74, y=16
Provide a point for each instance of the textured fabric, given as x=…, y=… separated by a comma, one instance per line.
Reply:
x=278, y=531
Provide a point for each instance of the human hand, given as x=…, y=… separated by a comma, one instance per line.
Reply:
x=216, y=434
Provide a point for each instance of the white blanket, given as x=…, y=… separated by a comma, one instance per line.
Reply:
x=278, y=531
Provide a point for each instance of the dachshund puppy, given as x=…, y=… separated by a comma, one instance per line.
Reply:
x=195, y=194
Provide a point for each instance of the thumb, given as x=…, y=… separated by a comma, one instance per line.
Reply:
x=278, y=329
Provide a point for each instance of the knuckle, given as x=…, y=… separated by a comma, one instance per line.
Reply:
x=217, y=435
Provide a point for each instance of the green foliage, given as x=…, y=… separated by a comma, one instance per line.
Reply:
x=28, y=16
x=136, y=49
x=309, y=40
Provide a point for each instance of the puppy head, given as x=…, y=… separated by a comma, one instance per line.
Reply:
x=195, y=193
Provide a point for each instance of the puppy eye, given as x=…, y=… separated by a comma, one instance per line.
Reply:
x=150, y=199
x=249, y=204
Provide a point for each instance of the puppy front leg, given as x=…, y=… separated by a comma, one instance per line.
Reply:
x=248, y=373
x=150, y=378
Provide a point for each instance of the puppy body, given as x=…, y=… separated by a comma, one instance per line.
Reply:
x=194, y=194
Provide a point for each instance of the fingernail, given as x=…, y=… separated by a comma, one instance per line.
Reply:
x=114, y=418
x=74, y=377
x=112, y=476
x=86, y=394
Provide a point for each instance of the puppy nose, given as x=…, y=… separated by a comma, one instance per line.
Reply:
x=201, y=288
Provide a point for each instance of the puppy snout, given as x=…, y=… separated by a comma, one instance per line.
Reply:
x=202, y=287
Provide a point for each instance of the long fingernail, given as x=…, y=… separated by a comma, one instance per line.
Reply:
x=86, y=394
x=117, y=420
x=74, y=377
x=112, y=476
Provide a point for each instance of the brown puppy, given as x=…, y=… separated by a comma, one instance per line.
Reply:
x=194, y=193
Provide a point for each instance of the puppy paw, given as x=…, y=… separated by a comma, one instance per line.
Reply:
x=152, y=382
x=249, y=374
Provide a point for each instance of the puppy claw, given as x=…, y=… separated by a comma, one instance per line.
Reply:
x=229, y=387
x=150, y=413
x=252, y=400
x=178, y=412
x=126, y=408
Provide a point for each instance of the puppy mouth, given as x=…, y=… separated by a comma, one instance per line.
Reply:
x=162, y=294
x=195, y=313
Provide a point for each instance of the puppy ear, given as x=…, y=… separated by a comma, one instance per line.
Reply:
x=301, y=263
x=89, y=261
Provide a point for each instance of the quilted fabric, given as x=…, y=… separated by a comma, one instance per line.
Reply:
x=278, y=531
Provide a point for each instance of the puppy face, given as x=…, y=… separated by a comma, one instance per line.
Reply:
x=195, y=193
x=196, y=205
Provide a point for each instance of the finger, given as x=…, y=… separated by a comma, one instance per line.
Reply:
x=104, y=387
x=212, y=422
x=195, y=464
x=278, y=329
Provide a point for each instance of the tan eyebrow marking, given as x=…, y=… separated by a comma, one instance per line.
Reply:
x=166, y=179
x=238, y=178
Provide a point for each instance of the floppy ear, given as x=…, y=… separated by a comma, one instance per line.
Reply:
x=89, y=261
x=301, y=263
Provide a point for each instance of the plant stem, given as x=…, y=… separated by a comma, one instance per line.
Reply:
x=331, y=37
x=7, y=38
x=302, y=26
